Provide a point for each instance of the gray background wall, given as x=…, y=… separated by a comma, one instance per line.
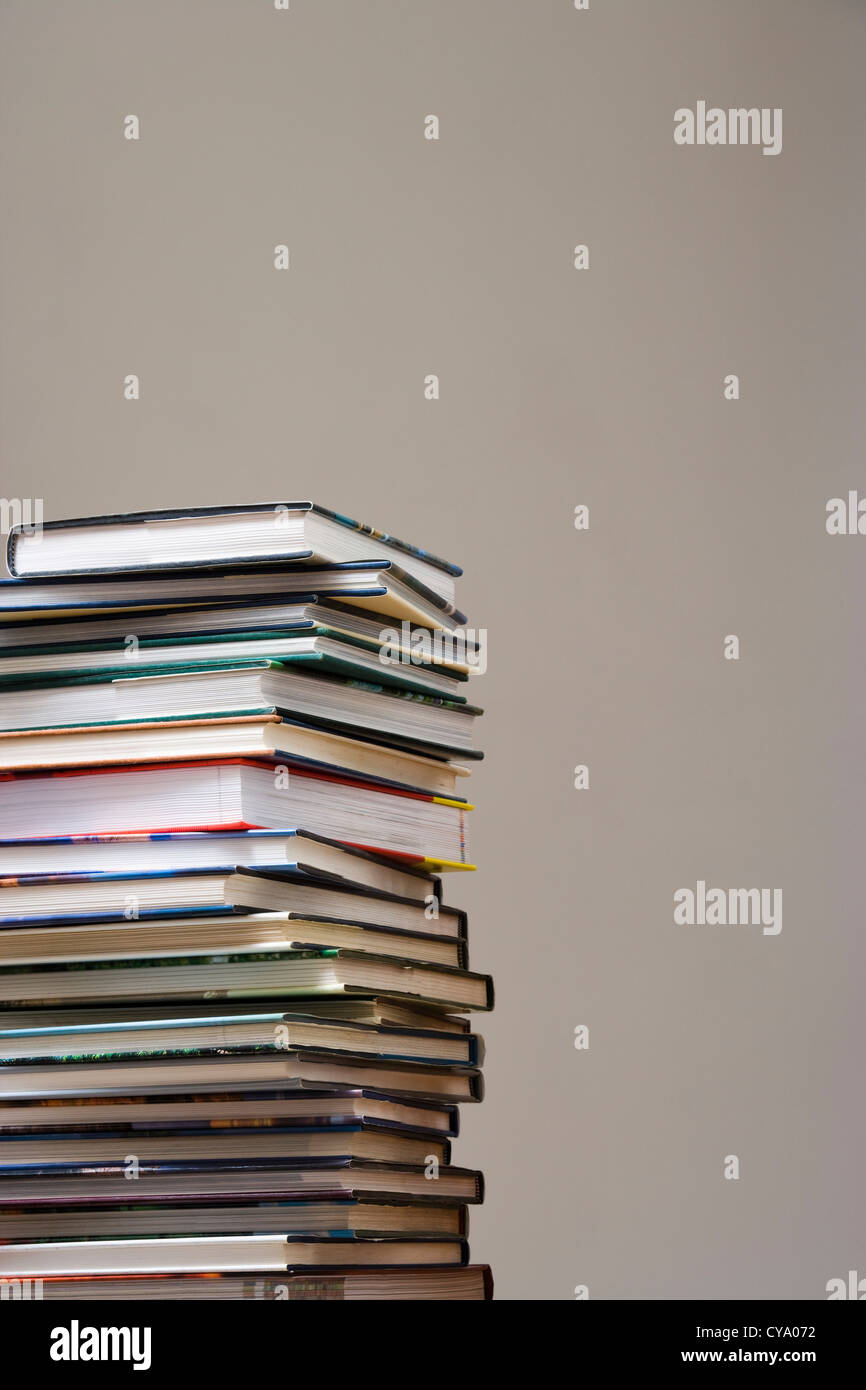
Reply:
x=558, y=387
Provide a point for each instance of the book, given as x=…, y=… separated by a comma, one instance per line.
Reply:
x=205, y=536
x=296, y=854
x=306, y=856
x=244, y=1071
x=233, y=793
x=352, y=1216
x=338, y=1105
x=471, y=1283
x=191, y=1254
x=364, y=1008
x=50, y=1152
x=274, y=973
x=269, y=737
x=252, y=1032
x=378, y=585
x=234, y=933
x=326, y=1180
x=331, y=652
x=295, y=691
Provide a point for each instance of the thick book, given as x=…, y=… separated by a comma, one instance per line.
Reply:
x=469, y=1284
x=245, y=1071
x=269, y=974
x=382, y=587
x=296, y=691
x=110, y=934
x=198, y=537
x=192, y=1254
x=265, y=737
x=233, y=793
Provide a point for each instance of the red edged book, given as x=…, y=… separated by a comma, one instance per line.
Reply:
x=237, y=794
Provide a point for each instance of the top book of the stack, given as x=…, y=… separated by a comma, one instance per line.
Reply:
x=207, y=537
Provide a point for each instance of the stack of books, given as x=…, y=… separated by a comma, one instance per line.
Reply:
x=233, y=748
